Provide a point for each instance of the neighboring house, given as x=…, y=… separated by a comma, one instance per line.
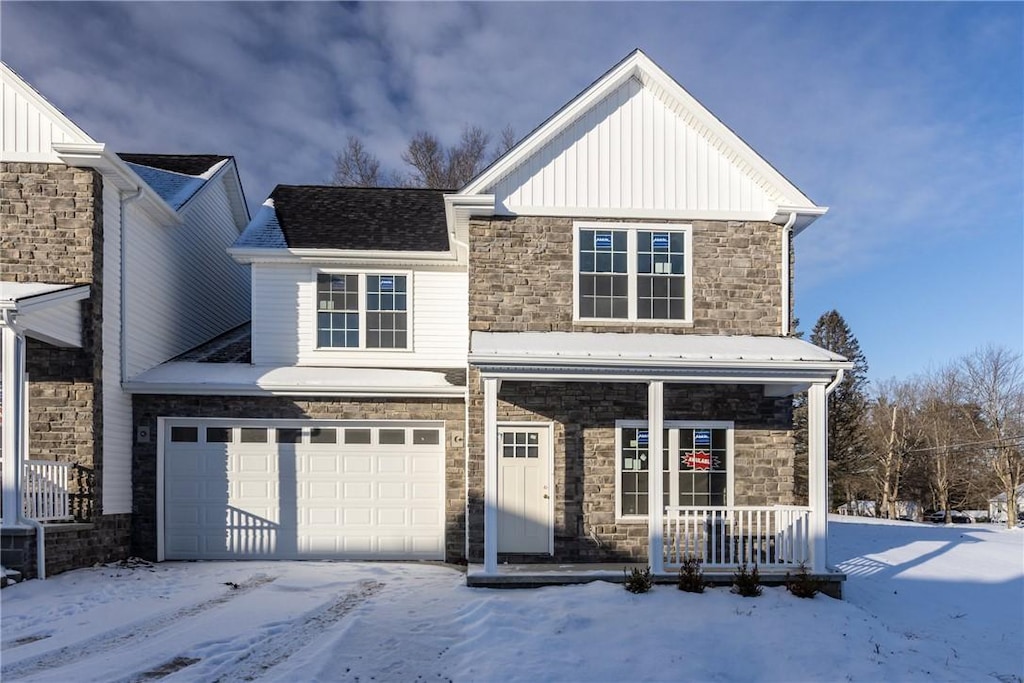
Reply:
x=997, y=509
x=905, y=509
x=491, y=375
x=107, y=268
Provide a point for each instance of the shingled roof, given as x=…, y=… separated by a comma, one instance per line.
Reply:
x=189, y=164
x=359, y=218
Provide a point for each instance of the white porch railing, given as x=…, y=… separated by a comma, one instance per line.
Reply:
x=44, y=491
x=777, y=536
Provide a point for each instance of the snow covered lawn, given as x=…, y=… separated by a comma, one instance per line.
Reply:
x=924, y=603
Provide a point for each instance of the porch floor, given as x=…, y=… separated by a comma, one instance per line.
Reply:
x=538, y=575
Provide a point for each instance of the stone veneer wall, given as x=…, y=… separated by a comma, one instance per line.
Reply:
x=51, y=230
x=584, y=416
x=521, y=278
x=148, y=408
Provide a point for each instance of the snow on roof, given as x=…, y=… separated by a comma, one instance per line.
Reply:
x=264, y=230
x=604, y=347
x=244, y=379
x=173, y=188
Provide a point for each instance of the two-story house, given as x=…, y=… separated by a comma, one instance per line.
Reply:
x=107, y=263
x=583, y=357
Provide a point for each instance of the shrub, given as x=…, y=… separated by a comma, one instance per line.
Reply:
x=746, y=582
x=802, y=584
x=691, y=576
x=638, y=580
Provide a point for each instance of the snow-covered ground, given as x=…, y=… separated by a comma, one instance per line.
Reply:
x=923, y=603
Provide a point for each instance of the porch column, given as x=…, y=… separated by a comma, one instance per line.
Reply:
x=490, y=475
x=656, y=507
x=12, y=379
x=817, y=474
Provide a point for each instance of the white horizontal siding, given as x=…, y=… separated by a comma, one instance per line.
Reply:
x=60, y=324
x=632, y=151
x=182, y=287
x=117, y=405
x=29, y=129
x=284, y=321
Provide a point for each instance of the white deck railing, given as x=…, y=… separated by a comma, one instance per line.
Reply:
x=44, y=491
x=776, y=536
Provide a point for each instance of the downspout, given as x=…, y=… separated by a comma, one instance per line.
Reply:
x=21, y=454
x=126, y=201
x=787, y=230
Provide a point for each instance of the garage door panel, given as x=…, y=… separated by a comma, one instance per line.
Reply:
x=351, y=500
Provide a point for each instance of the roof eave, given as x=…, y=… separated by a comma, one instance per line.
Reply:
x=267, y=255
x=97, y=156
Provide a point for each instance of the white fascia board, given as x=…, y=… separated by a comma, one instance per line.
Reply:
x=231, y=389
x=458, y=208
x=804, y=216
x=591, y=363
x=638, y=214
x=677, y=374
x=114, y=169
x=342, y=256
x=40, y=301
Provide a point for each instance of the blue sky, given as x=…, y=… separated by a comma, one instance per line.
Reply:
x=906, y=119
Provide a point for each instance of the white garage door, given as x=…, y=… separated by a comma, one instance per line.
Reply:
x=303, y=490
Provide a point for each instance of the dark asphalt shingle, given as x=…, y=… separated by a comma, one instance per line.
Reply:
x=189, y=164
x=386, y=219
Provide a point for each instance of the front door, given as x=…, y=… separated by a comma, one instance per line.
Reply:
x=524, y=490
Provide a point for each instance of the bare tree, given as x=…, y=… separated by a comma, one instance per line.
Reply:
x=993, y=382
x=440, y=167
x=506, y=141
x=355, y=167
x=894, y=434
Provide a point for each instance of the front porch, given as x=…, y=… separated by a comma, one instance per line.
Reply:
x=711, y=414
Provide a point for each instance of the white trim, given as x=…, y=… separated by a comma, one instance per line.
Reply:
x=631, y=229
x=594, y=213
x=56, y=115
x=817, y=473
x=549, y=427
x=349, y=257
x=160, y=431
x=730, y=458
x=343, y=351
x=490, y=475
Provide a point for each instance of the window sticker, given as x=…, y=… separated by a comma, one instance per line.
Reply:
x=387, y=283
x=659, y=240
x=641, y=437
x=603, y=241
x=701, y=437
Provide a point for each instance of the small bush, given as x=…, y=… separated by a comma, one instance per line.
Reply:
x=802, y=584
x=746, y=582
x=691, y=576
x=638, y=580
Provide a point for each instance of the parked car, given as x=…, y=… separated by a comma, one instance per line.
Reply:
x=957, y=517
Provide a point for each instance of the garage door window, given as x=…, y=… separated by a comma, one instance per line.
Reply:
x=185, y=434
x=218, y=435
x=391, y=436
x=357, y=436
x=289, y=436
x=317, y=435
x=253, y=435
x=425, y=437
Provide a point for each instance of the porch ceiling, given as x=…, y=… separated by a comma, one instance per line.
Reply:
x=639, y=357
x=50, y=312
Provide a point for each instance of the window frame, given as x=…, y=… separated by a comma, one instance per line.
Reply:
x=730, y=431
x=363, y=311
x=631, y=229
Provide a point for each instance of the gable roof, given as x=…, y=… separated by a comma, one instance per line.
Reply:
x=349, y=218
x=636, y=141
x=175, y=177
x=25, y=109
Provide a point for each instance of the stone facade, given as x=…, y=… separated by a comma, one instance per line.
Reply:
x=51, y=230
x=148, y=408
x=584, y=416
x=521, y=278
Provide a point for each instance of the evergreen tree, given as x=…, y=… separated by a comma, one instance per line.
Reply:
x=849, y=465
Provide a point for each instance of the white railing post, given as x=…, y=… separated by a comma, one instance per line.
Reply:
x=817, y=484
x=12, y=408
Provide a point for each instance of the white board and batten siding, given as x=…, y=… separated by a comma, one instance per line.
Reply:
x=182, y=287
x=284, y=320
x=634, y=151
x=31, y=124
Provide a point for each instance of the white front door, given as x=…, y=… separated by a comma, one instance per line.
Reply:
x=524, y=490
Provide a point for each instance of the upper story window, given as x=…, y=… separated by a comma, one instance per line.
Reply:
x=362, y=311
x=633, y=272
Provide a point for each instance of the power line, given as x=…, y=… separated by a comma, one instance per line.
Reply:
x=958, y=446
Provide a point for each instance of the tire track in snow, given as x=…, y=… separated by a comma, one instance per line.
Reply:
x=284, y=639
x=125, y=636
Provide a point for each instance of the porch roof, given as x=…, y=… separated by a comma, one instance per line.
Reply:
x=738, y=357
x=243, y=379
x=46, y=311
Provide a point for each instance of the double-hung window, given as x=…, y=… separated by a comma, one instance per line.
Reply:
x=362, y=311
x=696, y=466
x=633, y=272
